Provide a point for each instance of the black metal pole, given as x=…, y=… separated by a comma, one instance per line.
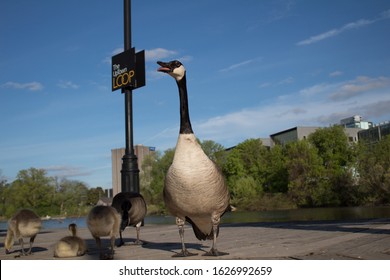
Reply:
x=130, y=171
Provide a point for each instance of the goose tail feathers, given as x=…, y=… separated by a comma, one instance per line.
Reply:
x=199, y=233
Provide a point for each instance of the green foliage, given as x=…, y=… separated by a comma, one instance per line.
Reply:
x=213, y=150
x=244, y=192
x=307, y=185
x=46, y=195
x=373, y=170
x=276, y=180
x=31, y=189
x=243, y=169
x=324, y=170
x=332, y=146
x=93, y=195
x=159, y=170
x=339, y=159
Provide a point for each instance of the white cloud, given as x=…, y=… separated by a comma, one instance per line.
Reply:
x=360, y=85
x=65, y=171
x=336, y=74
x=186, y=58
x=285, y=81
x=335, y=32
x=107, y=60
x=346, y=27
x=33, y=86
x=67, y=85
x=315, y=90
x=117, y=51
x=313, y=106
x=158, y=53
x=237, y=65
x=288, y=80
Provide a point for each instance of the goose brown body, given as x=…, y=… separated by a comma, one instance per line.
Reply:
x=132, y=208
x=24, y=224
x=104, y=221
x=195, y=189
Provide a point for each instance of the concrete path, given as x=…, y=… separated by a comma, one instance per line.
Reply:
x=368, y=239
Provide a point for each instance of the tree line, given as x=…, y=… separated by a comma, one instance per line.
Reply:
x=48, y=196
x=323, y=170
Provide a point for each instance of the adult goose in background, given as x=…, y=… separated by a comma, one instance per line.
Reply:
x=70, y=246
x=24, y=224
x=104, y=221
x=132, y=208
x=194, y=189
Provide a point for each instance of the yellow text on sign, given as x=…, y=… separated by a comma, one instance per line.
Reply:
x=123, y=80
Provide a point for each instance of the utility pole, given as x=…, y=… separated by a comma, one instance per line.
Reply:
x=130, y=171
x=128, y=73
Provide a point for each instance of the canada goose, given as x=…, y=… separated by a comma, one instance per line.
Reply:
x=132, y=208
x=195, y=189
x=104, y=221
x=70, y=246
x=24, y=224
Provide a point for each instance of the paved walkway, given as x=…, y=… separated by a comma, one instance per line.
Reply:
x=368, y=239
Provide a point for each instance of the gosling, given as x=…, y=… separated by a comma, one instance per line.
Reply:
x=104, y=221
x=70, y=246
x=24, y=224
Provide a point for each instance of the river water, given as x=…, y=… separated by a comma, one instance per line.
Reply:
x=306, y=214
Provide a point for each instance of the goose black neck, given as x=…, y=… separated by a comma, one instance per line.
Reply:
x=185, y=123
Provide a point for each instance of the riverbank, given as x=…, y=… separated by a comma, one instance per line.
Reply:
x=326, y=240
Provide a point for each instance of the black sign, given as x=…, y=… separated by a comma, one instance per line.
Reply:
x=128, y=70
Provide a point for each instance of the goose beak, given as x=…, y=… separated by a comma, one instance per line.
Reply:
x=165, y=67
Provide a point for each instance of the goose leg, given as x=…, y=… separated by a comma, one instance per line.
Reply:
x=22, y=252
x=184, y=252
x=214, y=251
x=31, y=243
x=99, y=244
x=138, y=228
x=120, y=239
x=111, y=255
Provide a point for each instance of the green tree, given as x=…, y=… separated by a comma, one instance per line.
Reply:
x=146, y=176
x=333, y=146
x=93, y=195
x=72, y=197
x=308, y=185
x=32, y=189
x=245, y=170
x=159, y=170
x=374, y=171
x=276, y=180
x=3, y=195
x=339, y=157
x=213, y=150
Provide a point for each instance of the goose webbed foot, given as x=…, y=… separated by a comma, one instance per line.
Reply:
x=215, y=253
x=184, y=253
x=107, y=256
x=138, y=242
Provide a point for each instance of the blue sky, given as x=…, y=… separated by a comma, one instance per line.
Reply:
x=253, y=68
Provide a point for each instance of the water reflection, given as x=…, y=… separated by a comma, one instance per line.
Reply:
x=310, y=214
